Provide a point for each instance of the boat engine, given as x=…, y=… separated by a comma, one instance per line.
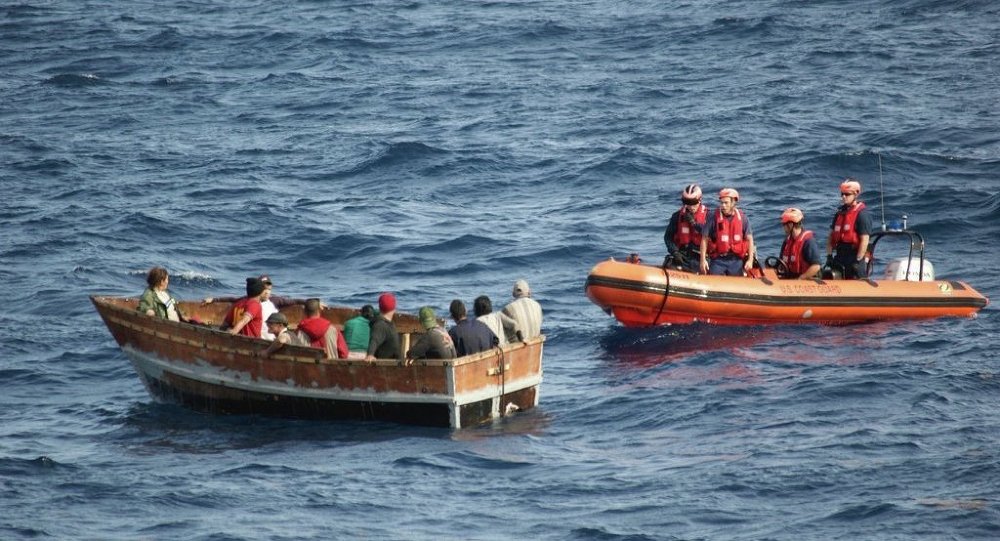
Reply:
x=908, y=269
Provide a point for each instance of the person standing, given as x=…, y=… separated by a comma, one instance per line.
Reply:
x=436, y=343
x=727, y=239
x=525, y=311
x=156, y=300
x=384, y=340
x=684, y=230
x=245, y=315
x=799, y=251
x=849, y=233
x=469, y=335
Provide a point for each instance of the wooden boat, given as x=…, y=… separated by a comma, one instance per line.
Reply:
x=641, y=295
x=209, y=370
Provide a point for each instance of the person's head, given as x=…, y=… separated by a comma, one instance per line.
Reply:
x=157, y=278
x=276, y=323
x=691, y=195
x=728, y=197
x=850, y=189
x=521, y=289
x=792, y=219
x=255, y=288
x=427, y=317
x=482, y=305
x=313, y=307
x=386, y=303
x=457, y=310
x=368, y=312
x=267, y=286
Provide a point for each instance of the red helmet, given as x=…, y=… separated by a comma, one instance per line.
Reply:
x=692, y=192
x=792, y=215
x=850, y=186
x=729, y=192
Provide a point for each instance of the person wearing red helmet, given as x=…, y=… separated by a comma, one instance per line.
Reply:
x=799, y=251
x=683, y=233
x=727, y=241
x=849, y=233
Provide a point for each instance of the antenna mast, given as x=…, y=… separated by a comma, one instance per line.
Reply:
x=881, y=188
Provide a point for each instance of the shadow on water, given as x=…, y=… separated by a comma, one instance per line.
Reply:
x=641, y=348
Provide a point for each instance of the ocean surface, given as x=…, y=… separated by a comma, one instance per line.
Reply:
x=443, y=150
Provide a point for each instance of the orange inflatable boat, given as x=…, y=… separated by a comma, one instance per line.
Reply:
x=641, y=295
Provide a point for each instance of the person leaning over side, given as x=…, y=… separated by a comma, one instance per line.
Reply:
x=799, y=251
x=319, y=332
x=849, y=232
x=357, y=331
x=683, y=233
x=436, y=343
x=277, y=324
x=525, y=311
x=156, y=300
x=731, y=239
x=245, y=315
x=469, y=335
x=501, y=324
x=384, y=340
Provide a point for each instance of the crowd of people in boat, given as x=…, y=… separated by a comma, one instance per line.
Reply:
x=721, y=242
x=371, y=334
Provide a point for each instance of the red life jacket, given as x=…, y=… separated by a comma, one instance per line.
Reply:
x=686, y=234
x=791, y=253
x=843, y=226
x=729, y=235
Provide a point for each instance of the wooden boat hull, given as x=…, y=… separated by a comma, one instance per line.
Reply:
x=211, y=371
x=643, y=295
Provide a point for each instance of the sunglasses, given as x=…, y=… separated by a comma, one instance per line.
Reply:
x=691, y=202
x=846, y=194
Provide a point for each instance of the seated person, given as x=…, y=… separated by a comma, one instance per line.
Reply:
x=277, y=324
x=525, y=311
x=433, y=344
x=357, y=332
x=469, y=335
x=318, y=332
x=156, y=300
x=501, y=324
x=245, y=316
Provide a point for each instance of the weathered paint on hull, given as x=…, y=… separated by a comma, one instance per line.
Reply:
x=210, y=371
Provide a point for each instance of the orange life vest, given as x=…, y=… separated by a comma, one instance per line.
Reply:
x=686, y=234
x=729, y=235
x=791, y=253
x=843, y=226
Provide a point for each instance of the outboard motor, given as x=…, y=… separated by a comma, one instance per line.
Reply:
x=908, y=269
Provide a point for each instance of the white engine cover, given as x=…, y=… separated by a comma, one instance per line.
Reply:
x=896, y=270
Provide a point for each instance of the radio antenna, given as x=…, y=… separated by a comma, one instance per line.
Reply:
x=881, y=187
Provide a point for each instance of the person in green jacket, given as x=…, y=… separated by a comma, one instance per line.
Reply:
x=357, y=331
x=156, y=300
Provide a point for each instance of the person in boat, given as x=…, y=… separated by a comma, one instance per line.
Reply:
x=269, y=302
x=157, y=300
x=847, y=246
x=245, y=316
x=727, y=246
x=525, y=311
x=799, y=251
x=357, y=332
x=383, y=342
x=501, y=324
x=318, y=332
x=469, y=335
x=436, y=343
x=277, y=324
x=683, y=233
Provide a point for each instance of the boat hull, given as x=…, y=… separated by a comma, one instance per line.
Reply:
x=643, y=295
x=211, y=371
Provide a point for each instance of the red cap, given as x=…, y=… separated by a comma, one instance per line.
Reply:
x=386, y=302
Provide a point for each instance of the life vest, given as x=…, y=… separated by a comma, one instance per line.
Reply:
x=686, y=234
x=843, y=225
x=791, y=253
x=729, y=235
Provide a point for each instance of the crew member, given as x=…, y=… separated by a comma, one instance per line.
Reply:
x=849, y=233
x=683, y=233
x=799, y=251
x=727, y=239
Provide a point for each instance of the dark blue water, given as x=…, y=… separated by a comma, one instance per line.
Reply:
x=443, y=150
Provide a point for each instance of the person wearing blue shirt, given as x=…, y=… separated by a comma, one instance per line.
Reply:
x=849, y=233
x=469, y=335
x=799, y=252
